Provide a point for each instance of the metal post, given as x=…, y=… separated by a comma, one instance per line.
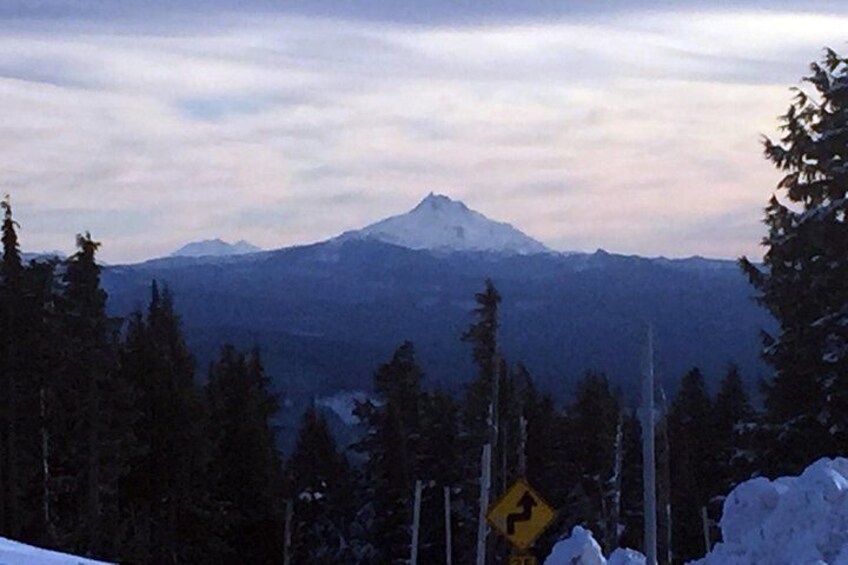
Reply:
x=648, y=457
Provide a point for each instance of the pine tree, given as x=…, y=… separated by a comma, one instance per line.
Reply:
x=90, y=405
x=392, y=445
x=321, y=486
x=733, y=411
x=163, y=494
x=11, y=287
x=593, y=425
x=691, y=428
x=802, y=281
x=480, y=412
x=245, y=470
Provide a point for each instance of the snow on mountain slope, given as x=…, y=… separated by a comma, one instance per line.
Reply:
x=214, y=247
x=15, y=553
x=439, y=222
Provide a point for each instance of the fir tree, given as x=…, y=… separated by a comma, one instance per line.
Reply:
x=321, y=488
x=802, y=281
x=245, y=470
x=733, y=412
x=392, y=442
x=593, y=426
x=90, y=409
x=691, y=428
x=163, y=495
x=11, y=480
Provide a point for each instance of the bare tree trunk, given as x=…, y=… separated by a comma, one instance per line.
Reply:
x=705, y=523
x=448, y=533
x=485, y=486
x=287, y=539
x=416, y=524
x=615, y=511
x=649, y=466
x=45, y=469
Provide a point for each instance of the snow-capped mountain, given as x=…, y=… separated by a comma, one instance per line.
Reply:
x=439, y=222
x=215, y=247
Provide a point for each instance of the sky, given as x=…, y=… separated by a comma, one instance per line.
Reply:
x=633, y=126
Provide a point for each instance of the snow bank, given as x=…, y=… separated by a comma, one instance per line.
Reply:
x=582, y=549
x=15, y=553
x=790, y=521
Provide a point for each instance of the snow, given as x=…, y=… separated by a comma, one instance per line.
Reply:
x=789, y=521
x=214, y=247
x=15, y=553
x=343, y=403
x=581, y=549
x=440, y=223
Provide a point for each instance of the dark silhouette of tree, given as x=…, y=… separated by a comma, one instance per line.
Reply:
x=802, y=280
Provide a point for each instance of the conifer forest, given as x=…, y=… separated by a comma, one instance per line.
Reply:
x=116, y=444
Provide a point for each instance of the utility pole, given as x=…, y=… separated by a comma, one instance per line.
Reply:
x=648, y=456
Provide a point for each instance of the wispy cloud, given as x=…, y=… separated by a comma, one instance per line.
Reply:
x=636, y=132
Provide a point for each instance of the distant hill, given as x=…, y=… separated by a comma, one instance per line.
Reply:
x=214, y=248
x=329, y=313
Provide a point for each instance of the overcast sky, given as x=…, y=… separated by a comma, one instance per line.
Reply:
x=629, y=126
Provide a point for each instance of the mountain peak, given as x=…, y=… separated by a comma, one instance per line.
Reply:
x=439, y=222
x=215, y=247
x=439, y=202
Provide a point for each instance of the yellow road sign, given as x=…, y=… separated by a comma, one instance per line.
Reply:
x=520, y=515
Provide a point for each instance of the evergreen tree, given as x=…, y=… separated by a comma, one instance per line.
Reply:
x=593, y=426
x=692, y=434
x=321, y=486
x=802, y=281
x=439, y=457
x=477, y=429
x=483, y=336
x=732, y=412
x=90, y=408
x=163, y=494
x=392, y=442
x=245, y=470
x=11, y=481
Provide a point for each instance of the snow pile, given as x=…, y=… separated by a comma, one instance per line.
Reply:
x=582, y=549
x=789, y=521
x=15, y=553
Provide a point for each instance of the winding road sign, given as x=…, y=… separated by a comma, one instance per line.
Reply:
x=520, y=515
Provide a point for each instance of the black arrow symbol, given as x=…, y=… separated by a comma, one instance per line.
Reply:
x=526, y=503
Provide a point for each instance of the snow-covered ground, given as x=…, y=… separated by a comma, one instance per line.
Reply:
x=799, y=520
x=14, y=553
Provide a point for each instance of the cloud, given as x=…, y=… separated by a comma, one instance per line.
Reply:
x=637, y=132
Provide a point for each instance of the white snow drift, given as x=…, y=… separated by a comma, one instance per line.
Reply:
x=789, y=521
x=14, y=553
